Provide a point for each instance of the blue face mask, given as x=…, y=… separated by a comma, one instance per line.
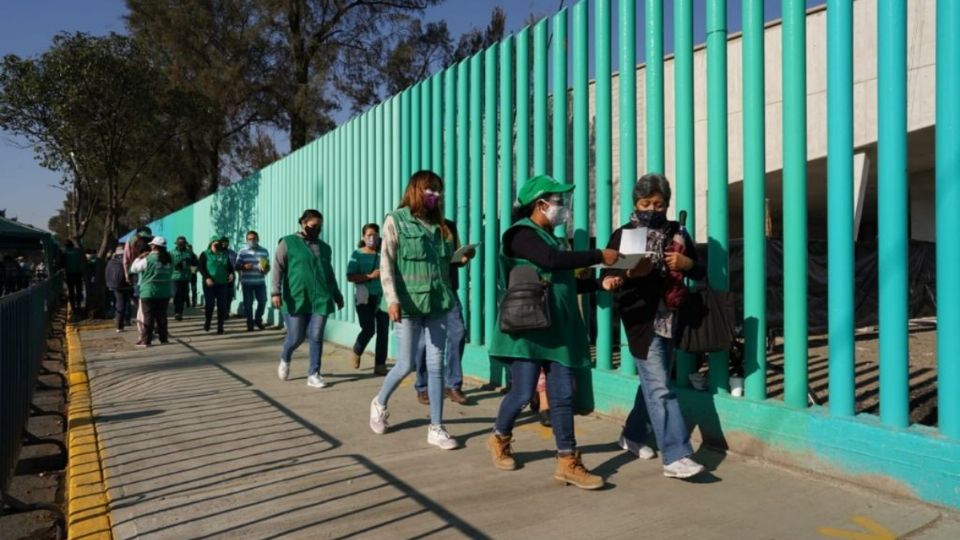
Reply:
x=649, y=219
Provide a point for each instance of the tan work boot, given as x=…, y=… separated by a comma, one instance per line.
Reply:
x=356, y=361
x=501, y=452
x=570, y=470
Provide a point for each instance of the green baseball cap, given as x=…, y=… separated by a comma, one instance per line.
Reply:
x=538, y=186
x=214, y=238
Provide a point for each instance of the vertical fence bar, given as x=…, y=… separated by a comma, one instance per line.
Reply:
x=581, y=128
x=604, y=171
x=654, y=84
x=436, y=128
x=627, y=39
x=404, y=138
x=540, y=134
x=379, y=163
x=523, y=105
x=426, y=107
x=948, y=219
x=754, y=212
x=840, y=244
x=506, y=134
x=717, y=246
x=476, y=196
x=396, y=143
x=354, y=188
x=366, y=177
x=490, y=244
x=683, y=137
x=892, y=200
x=415, y=128
x=450, y=141
x=560, y=96
x=461, y=186
x=795, y=213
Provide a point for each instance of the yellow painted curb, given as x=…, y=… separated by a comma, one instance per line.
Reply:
x=88, y=512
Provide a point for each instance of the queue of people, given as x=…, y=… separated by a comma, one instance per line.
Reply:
x=408, y=277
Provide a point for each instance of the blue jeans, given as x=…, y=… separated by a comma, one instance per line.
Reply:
x=410, y=333
x=523, y=376
x=453, y=357
x=309, y=326
x=656, y=410
x=253, y=291
x=373, y=320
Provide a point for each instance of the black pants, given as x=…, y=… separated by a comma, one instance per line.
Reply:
x=121, y=306
x=373, y=320
x=181, y=289
x=75, y=290
x=219, y=294
x=193, y=291
x=155, y=316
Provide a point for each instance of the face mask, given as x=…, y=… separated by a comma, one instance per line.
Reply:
x=311, y=232
x=372, y=242
x=252, y=244
x=650, y=219
x=430, y=199
x=556, y=214
x=181, y=246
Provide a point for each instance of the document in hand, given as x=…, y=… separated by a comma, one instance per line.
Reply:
x=459, y=254
x=633, y=247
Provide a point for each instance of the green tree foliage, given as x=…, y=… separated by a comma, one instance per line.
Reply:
x=94, y=109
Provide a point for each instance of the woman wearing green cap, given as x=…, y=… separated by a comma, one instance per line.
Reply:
x=217, y=280
x=559, y=350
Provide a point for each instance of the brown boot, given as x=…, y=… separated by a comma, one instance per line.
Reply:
x=356, y=361
x=501, y=452
x=423, y=398
x=455, y=395
x=570, y=470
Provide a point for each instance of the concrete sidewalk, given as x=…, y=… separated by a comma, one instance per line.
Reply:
x=203, y=440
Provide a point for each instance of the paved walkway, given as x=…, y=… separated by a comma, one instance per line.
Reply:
x=201, y=439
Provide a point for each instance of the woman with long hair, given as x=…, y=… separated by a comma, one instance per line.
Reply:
x=415, y=275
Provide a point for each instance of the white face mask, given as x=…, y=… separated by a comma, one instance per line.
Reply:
x=556, y=214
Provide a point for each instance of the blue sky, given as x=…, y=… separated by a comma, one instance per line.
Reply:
x=27, y=28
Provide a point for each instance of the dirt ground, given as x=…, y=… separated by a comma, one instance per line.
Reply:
x=40, y=470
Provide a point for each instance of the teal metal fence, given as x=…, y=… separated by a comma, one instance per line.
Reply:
x=526, y=106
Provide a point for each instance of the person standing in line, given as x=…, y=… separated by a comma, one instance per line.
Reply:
x=363, y=271
x=304, y=282
x=155, y=268
x=116, y=281
x=560, y=349
x=253, y=262
x=456, y=338
x=194, y=274
x=217, y=281
x=647, y=303
x=182, y=275
x=73, y=266
x=415, y=274
x=136, y=245
x=232, y=257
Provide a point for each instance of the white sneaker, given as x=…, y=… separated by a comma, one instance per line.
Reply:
x=283, y=371
x=682, y=468
x=316, y=381
x=439, y=437
x=378, y=417
x=642, y=451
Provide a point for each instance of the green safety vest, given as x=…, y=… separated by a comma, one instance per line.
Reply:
x=422, y=279
x=155, y=280
x=308, y=285
x=217, y=264
x=566, y=340
x=181, y=265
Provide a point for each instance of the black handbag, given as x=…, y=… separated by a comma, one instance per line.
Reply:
x=705, y=321
x=526, y=304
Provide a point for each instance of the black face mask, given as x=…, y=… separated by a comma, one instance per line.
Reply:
x=649, y=219
x=311, y=232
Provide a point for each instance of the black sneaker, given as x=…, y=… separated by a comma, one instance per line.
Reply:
x=260, y=325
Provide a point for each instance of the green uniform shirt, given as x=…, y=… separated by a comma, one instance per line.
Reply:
x=181, y=265
x=308, y=284
x=422, y=277
x=156, y=279
x=566, y=341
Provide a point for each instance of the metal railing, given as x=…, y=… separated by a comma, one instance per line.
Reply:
x=25, y=318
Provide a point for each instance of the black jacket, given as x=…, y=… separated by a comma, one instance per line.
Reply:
x=114, y=275
x=637, y=301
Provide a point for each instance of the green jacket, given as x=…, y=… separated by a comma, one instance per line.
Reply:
x=181, y=264
x=308, y=285
x=422, y=278
x=566, y=341
x=156, y=279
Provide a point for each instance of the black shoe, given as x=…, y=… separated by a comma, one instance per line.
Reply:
x=260, y=325
x=178, y=317
x=249, y=329
x=545, y=418
x=219, y=330
x=206, y=326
